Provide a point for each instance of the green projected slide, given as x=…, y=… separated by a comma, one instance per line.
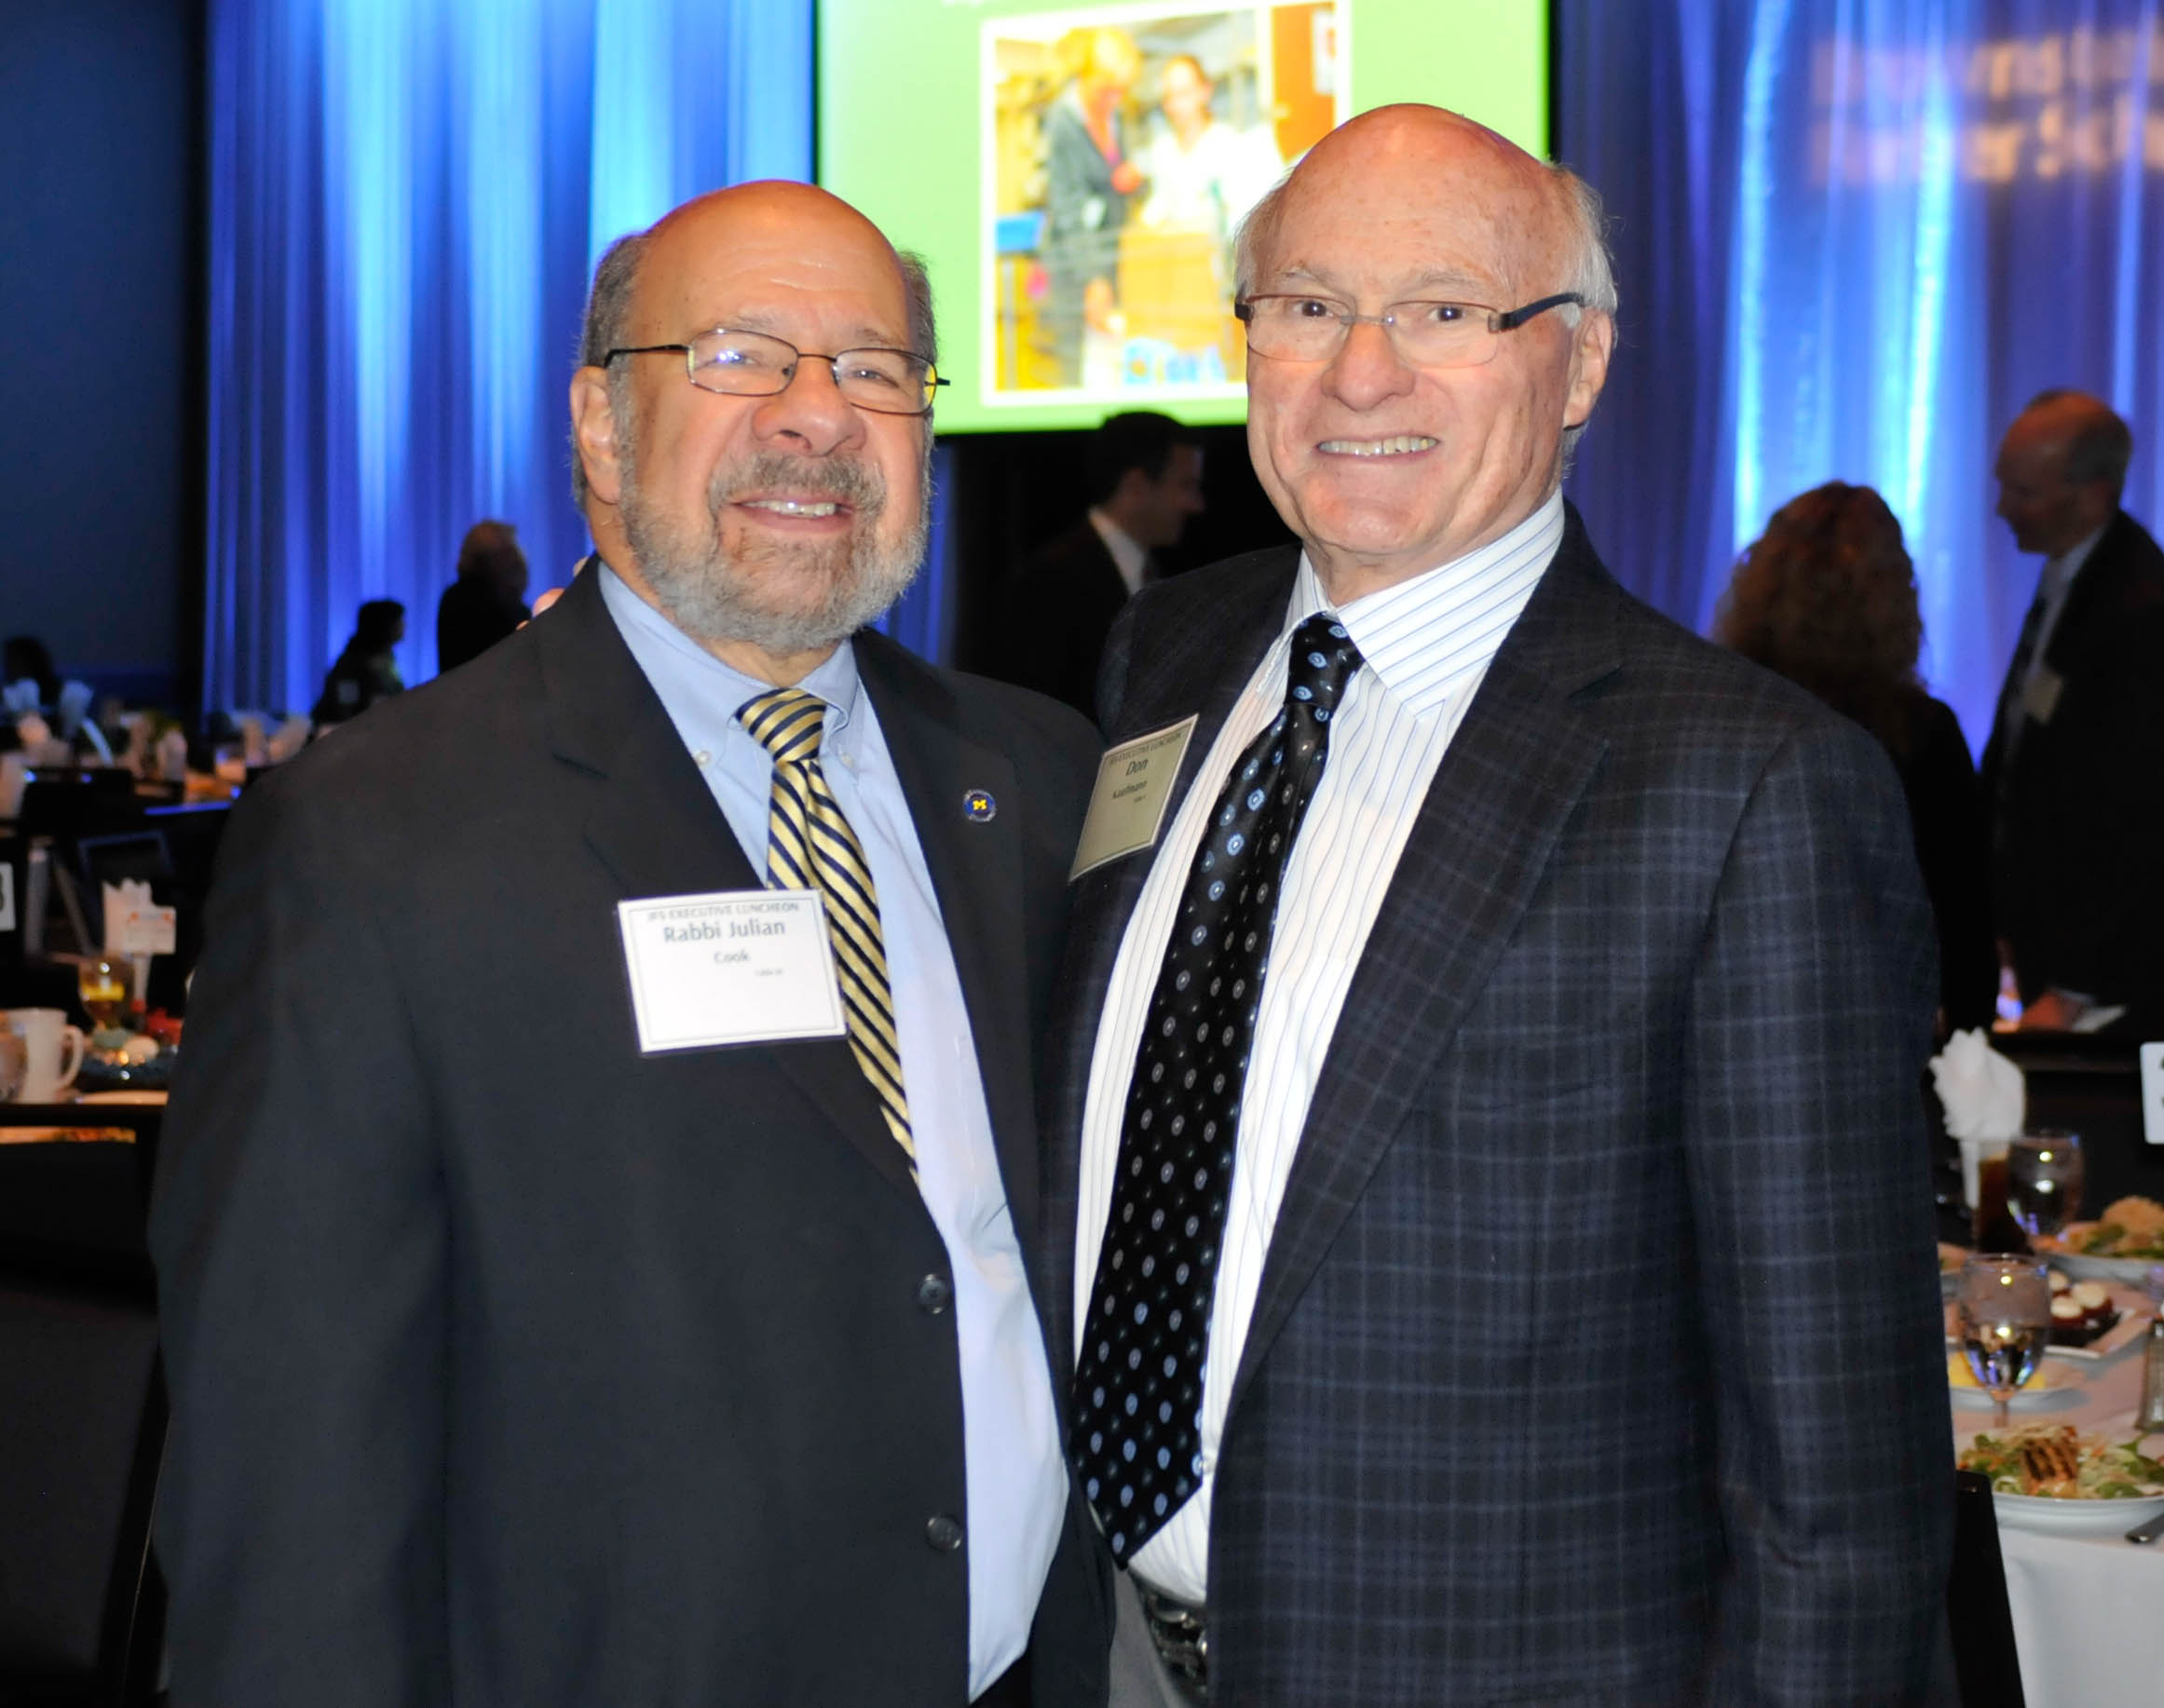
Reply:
x=1073, y=175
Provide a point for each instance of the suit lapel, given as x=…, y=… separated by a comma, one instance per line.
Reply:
x=1491, y=819
x=649, y=818
x=1216, y=655
x=976, y=873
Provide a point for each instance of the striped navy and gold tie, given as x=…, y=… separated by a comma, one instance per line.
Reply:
x=809, y=846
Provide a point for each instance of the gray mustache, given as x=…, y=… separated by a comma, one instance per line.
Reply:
x=856, y=485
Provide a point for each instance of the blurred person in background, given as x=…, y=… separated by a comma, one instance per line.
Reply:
x=29, y=680
x=367, y=670
x=1827, y=597
x=488, y=601
x=1145, y=481
x=2071, y=771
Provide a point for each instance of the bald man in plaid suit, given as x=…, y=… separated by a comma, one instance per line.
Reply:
x=1489, y=1129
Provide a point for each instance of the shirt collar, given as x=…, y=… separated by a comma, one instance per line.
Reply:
x=696, y=686
x=2059, y=572
x=1130, y=557
x=1427, y=637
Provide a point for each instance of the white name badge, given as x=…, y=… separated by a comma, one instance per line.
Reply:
x=2040, y=695
x=1127, y=806
x=737, y=967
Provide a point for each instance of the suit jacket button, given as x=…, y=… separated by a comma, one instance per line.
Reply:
x=942, y=1533
x=934, y=1294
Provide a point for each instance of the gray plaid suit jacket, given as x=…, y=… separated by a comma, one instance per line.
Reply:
x=1596, y=1357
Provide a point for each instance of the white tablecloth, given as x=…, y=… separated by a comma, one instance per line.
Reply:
x=2088, y=1611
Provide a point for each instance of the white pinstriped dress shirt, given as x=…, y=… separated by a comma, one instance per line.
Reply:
x=1427, y=642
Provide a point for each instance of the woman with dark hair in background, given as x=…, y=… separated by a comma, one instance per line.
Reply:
x=1828, y=598
x=366, y=671
x=27, y=659
x=487, y=602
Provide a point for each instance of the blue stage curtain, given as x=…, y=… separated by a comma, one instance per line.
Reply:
x=1854, y=238
x=406, y=201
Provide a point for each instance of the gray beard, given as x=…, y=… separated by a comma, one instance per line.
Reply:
x=713, y=596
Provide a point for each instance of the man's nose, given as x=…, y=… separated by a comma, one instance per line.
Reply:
x=1368, y=368
x=810, y=410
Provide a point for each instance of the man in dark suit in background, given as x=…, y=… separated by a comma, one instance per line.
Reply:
x=2077, y=750
x=523, y=1351
x=1145, y=481
x=1489, y=1121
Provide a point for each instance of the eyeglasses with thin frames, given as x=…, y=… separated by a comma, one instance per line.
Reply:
x=745, y=364
x=1295, y=327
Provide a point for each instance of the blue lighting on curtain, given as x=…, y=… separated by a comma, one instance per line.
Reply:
x=1853, y=239
x=406, y=200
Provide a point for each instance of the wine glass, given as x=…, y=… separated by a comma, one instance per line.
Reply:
x=103, y=987
x=2043, y=1172
x=2004, y=1305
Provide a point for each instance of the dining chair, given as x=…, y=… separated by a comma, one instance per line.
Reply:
x=1979, y=1618
x=82, y=1413
x=82, y=1435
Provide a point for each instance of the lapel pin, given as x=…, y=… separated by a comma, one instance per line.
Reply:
x=978, y=806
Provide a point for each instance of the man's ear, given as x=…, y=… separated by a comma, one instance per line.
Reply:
x=1593, y=343
x=594, y=432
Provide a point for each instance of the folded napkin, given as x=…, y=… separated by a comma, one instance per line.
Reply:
x=1984, y=1093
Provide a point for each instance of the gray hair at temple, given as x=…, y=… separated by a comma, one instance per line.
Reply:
x=1590, y=275
x=608, y=307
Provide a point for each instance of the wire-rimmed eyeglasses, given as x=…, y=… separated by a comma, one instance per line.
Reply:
x=1294, y=326
x=743, y=364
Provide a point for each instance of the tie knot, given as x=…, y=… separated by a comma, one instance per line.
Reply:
x=786, y=722
x=1323, y=660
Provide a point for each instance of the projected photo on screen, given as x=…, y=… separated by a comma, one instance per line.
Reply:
x=1072, y=172
x=1122, y=148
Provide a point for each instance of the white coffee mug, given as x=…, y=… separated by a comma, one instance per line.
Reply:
x=55, y=1050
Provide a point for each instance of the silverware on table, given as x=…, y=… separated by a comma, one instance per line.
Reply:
x=2147, y=1532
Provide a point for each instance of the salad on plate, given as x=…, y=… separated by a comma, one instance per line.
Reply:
x=2058, y=1461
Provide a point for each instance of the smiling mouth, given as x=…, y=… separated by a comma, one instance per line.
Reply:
x=1403, y=444
x=792, y=506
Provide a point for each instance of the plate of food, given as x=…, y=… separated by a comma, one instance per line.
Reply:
x=2091, y=1320
x=2053, y=1477
x=2053, y=1387
x=2120, y=1245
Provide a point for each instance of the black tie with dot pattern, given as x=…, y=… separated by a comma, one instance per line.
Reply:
x=1138, y=1383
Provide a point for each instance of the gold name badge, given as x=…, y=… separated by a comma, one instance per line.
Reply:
x=1135, y=782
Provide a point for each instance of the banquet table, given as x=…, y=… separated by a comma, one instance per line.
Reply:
x=2088, y=1611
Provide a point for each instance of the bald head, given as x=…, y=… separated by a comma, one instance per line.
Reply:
x=1546, y=214
x=2061, y=468
x=800, y=212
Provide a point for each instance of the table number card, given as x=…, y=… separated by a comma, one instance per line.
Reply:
x=134, y=925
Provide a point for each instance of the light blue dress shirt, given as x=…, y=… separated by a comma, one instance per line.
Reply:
x=1017, y=1475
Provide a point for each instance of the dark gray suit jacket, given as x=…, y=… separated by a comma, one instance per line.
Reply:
x=2078, y=809
x=510, y=1366
x=1597, y=1356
